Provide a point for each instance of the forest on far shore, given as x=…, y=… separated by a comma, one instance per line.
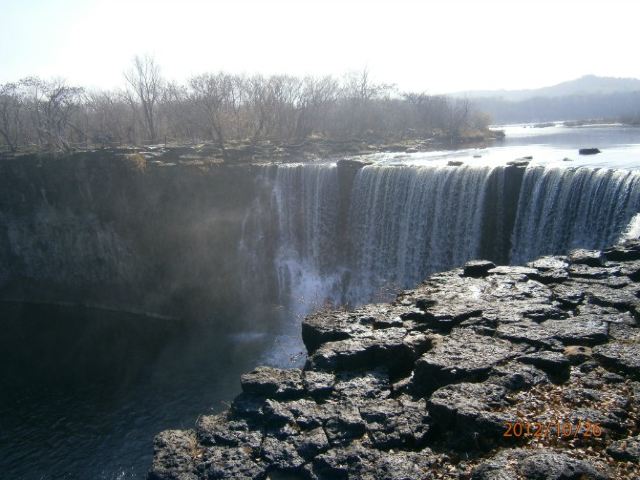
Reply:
x=39, y=115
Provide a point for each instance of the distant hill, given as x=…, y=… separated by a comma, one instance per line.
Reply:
x=586, y=85
x=586, y=98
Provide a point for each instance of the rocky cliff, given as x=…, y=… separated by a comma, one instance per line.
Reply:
x=104, y=230
x=483, y=372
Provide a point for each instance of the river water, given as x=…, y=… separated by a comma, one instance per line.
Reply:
x=83, y=392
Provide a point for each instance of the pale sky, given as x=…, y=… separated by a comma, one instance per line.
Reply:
x=434, y=46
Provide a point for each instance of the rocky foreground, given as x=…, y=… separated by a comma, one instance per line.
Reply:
x=483, y=372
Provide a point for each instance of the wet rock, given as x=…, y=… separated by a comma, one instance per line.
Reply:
x=273, y=382
x=462, y=356
x=521, y=162
x=589, y=151
x=478, y=268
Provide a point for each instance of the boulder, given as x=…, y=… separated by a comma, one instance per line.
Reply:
x=588, y=151
x=478, y=268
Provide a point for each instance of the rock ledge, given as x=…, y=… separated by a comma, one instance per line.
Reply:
x=478, y=373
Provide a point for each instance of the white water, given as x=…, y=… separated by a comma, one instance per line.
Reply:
x=407, y=222
x=565, y=208
x=410, y=215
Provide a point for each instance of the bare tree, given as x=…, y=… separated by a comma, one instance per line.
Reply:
x=147, y=83
x=52, y=106
x=218, y=97
x=11, y=106
x=226, y=109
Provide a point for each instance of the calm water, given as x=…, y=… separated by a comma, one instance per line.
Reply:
x=620, y=147
x=83, y=392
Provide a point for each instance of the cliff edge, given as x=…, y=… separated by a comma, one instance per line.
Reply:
x=481, y=372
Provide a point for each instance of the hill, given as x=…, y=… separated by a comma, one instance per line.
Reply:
x=586, y=85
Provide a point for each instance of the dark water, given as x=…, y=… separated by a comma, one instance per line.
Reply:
x=83, y=392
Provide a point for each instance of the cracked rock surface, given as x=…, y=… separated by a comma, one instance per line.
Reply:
x=482, y=372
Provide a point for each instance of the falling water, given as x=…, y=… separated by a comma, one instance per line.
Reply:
x=565, y=208
x=405, y=222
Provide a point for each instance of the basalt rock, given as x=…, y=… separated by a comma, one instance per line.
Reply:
x=426, y=386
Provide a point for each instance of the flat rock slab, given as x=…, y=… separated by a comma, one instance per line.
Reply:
x=462, y=356
x=467, y=414
x=620, y=356
x=273, y=382
x=553, y=334
x=592, y=258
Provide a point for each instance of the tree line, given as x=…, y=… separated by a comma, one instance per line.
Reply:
x=53, y=116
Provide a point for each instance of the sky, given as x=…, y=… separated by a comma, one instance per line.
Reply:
x=432, y=46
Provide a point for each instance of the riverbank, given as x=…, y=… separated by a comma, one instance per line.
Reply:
x=480, y=372
x=267, y=151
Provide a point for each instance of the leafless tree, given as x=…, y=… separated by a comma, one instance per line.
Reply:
x=11, y=106
x=225, y=109
x=147, y=83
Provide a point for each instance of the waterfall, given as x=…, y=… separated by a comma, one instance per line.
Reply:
x=408, y=222
x=564, y=208
x=293, y=227
x=316, y=238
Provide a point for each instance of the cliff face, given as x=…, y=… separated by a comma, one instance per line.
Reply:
x=481, y=372
x=99, y=230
